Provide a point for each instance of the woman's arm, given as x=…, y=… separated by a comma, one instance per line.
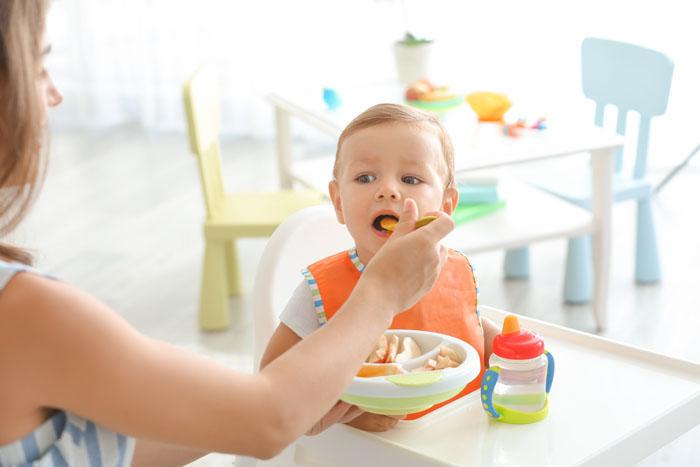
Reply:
x=66, y=350
x=149, y=453
x=72, y=352
x=282, y=340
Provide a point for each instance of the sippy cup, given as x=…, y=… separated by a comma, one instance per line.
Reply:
x=516, y=386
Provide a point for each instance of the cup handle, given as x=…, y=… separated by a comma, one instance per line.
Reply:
x=550, y=370
x=488, y=383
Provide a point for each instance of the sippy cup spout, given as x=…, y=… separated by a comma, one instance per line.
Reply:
x=511, y=325
x=515, y=343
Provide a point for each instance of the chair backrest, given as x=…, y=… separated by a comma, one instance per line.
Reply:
x=630, y=78
x=202, y=107
x=308, y=235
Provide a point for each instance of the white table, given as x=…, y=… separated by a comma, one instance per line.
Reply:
x=481, y=147
x=611, y=405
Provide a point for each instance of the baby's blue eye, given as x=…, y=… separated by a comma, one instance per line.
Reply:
x=366, y=178
x=411, y=180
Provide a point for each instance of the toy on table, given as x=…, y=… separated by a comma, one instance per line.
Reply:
x=469, y=212
x=477, y=193
x=425, y=95
x=410, y=371
x=489, y=106
x=514, y=129
x=515, y=389
x=477, y=198
x=331, y=98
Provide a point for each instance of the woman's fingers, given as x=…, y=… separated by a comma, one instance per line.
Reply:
x=341, y=412
x=439, y=228
x=407, y=219
x=352, y=413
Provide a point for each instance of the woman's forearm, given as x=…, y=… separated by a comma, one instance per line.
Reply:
x=338, y=348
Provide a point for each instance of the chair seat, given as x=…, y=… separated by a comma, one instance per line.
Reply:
x=576, y=187
x=256, y=214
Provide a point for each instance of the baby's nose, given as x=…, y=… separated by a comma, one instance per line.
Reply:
x=388, y=191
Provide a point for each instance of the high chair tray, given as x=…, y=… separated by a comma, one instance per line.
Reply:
x=610, y=404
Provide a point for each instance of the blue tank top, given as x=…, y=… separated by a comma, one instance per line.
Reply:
x=64, y=439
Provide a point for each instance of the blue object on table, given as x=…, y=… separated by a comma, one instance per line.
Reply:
x=331, y=98
x=477, y=194
x=631, y=78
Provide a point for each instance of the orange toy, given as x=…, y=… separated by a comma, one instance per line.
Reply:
x=489, y=106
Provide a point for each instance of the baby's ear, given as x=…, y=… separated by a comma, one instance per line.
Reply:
x=450, y=200
x=334, y=192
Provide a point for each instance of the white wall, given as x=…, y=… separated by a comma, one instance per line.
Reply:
x=125, y=60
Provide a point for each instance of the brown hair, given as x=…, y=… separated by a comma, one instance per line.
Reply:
x=21, y=114
x=395, y=113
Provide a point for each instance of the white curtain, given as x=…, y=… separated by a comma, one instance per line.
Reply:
x=124, y=61
x=120, y=61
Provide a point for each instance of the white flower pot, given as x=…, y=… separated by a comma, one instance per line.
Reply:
x=412, y=61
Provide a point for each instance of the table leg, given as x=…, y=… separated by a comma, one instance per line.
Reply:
x=284, y=148
x=601, y=208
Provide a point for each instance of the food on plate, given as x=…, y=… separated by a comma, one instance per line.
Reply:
x=409, y=350
x=391, y=352
x=368, y=370
x=447, y=358
x=378, y=354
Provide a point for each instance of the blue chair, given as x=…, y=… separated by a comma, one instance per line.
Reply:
x=631, y=78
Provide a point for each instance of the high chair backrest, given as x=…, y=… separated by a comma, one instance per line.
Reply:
x=630, y=78
x=202, y=106
x=305, y=237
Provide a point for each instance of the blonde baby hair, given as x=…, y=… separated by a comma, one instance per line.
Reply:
x=381, y=114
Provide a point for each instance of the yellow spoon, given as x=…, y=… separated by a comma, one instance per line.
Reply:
x=388, y=223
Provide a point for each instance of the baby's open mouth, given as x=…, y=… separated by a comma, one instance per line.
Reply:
x=377, y=224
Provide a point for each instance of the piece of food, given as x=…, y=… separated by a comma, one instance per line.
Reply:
x=445, y=362
x=447, y=358
x=409, y=350
x=429, y=366
x=389, y=223
x=416, y=90
x=449, y=352
x=392, y=349
x=378, y=355
x=369, y=370
x=441, y=93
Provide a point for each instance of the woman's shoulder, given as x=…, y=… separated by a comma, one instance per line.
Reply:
x=8, y=270
x=19, y=282
x=33, y=303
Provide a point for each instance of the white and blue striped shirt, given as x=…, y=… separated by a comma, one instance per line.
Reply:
x=64, y=440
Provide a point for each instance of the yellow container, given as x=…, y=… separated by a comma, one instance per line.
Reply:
x=489, y=106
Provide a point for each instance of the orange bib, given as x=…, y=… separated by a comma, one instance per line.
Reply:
x=449, y=307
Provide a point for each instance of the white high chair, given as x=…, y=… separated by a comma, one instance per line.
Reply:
x=308, y=235
x=611, y=403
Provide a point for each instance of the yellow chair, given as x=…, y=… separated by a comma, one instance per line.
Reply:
x=229, y=215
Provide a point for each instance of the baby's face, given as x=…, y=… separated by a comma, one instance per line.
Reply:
x=378, y=168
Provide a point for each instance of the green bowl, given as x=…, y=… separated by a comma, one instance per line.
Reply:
x=414, y=392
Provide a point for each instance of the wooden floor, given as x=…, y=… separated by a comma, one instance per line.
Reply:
x=120, y=216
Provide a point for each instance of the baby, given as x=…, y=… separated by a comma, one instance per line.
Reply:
x=385, y=155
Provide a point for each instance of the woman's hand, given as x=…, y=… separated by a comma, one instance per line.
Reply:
x=342, y=412
x=375, y=422
x=406, y=267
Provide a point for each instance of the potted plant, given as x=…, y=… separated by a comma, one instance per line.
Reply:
x=412, y=58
